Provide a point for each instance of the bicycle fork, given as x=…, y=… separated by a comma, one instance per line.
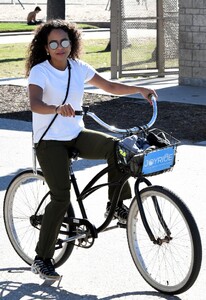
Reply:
x=159, y=240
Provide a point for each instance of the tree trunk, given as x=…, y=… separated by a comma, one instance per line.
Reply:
x=55, y=9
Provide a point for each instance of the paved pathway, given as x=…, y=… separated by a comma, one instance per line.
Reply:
x=105, y=271
x=26, y=37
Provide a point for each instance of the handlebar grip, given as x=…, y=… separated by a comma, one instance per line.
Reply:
x=152, y=97
x=79, y=113
x=82, y=112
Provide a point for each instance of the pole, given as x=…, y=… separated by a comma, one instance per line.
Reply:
x=21, y=4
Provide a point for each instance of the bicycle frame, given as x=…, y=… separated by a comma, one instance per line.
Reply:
x=91, y=187
x=80, y=196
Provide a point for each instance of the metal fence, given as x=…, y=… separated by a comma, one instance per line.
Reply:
x=144, y=37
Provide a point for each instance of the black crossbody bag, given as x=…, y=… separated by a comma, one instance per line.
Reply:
x=54, y=118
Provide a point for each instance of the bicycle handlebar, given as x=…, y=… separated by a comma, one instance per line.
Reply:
x=134, y=130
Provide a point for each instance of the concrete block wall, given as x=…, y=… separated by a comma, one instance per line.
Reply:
x=192, y=42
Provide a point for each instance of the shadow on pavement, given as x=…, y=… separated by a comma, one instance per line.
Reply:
x=13, y=290
x=17, y=290
x=14, y=124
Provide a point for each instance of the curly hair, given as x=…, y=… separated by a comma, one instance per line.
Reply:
x=37, y=51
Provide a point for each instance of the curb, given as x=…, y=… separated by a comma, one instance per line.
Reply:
x=11, y=33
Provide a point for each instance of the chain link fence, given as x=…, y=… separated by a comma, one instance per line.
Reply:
x=147, y=37
x=171, y=30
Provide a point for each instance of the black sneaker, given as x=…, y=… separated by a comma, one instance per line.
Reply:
x=45, y=269
x=121, y=212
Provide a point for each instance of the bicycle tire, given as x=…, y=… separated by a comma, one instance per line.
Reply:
x=21, y=200
x=172, y=267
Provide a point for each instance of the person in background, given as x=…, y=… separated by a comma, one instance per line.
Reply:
x=31, y=18
x=53, y=67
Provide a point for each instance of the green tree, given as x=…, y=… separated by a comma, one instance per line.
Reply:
x=55, y=9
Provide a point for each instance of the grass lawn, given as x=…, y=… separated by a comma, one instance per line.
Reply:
x=11, y=27
x=12, y=61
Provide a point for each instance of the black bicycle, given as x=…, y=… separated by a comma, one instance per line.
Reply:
x=162, y=235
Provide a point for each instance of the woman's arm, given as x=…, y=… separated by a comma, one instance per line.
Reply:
x=38, y=106
x=118, y=88
x=36, y=103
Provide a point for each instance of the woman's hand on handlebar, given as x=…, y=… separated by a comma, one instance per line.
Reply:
x=148, y=93
x=66, y=110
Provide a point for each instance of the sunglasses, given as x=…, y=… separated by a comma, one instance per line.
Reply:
x=64, y=44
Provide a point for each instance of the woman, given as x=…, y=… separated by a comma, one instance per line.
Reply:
x=52, y=67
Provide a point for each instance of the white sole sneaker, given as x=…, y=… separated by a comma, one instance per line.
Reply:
x=35, y=270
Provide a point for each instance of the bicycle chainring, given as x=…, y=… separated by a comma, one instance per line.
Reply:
x=88, y=240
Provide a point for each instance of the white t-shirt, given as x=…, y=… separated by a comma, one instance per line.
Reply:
x=54, y=85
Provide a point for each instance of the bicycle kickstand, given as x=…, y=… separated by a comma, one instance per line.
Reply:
x=49, y=282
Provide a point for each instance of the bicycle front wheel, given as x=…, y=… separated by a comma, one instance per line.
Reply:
x=172, y=265
x=24, y=204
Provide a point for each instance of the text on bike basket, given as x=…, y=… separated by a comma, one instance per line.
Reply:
x=159, y=160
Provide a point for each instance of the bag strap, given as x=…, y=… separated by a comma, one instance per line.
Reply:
x=65, y=98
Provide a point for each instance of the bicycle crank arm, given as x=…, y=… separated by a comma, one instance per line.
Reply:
x=82, y=222
x=69, y=239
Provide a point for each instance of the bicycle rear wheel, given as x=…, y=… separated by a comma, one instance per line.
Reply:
x=173, y=265
x=26, y=193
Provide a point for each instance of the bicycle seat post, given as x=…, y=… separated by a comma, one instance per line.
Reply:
x=73, y=156
x=34, y=159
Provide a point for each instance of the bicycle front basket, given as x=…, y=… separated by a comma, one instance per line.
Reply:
x=157, y=157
